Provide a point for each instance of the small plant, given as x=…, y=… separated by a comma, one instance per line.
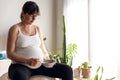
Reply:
x=99, y=74
x=86, y=70
x=85, y=65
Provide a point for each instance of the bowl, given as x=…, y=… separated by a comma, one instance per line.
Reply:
x=49, y=63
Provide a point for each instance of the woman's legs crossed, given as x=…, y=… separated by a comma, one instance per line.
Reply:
x=58, y=70
x=21, y=72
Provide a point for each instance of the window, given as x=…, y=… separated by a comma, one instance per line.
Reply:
x=95, y=27
x=76, y=15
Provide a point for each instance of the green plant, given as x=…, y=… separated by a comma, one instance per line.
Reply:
x=66, y=53
x=85, y=65
x=86, y=70
x=71, y=51
x=111, y=78
x=64, y=40
x=99, y=74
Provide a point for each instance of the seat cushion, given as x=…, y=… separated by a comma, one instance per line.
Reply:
x=37, y=77
x=41, y=77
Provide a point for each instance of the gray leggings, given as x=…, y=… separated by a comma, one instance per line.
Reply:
x=21, y=72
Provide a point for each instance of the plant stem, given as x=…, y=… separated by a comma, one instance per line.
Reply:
x=64, y=40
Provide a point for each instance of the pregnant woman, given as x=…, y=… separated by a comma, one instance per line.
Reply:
x=26, y=49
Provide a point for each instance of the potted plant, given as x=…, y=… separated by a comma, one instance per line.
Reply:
x=86, y=70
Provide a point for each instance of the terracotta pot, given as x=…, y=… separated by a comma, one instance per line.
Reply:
x=86, y=72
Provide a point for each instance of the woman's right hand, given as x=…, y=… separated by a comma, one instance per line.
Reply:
x=33, y=62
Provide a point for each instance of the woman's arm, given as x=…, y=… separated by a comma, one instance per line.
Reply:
x=12, y=37
x=42, y=46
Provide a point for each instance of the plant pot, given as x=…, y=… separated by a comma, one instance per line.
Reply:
x=76, y=72
x=86, y=72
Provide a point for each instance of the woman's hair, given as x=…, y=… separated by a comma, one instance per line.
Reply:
x=30, y=7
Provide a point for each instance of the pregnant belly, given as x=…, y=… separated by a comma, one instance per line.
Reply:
x=31, y=52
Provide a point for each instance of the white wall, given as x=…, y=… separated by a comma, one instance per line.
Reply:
x=59, y=32
x=9, y=14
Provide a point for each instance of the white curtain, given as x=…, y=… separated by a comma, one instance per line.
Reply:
x=76, y=17
x=104, y=24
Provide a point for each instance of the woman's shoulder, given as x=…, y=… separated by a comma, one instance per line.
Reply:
x=14, y=28
x=38, y=28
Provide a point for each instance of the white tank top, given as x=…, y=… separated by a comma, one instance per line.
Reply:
x=29, y=47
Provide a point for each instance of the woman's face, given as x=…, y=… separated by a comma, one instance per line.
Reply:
x=29, y=18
